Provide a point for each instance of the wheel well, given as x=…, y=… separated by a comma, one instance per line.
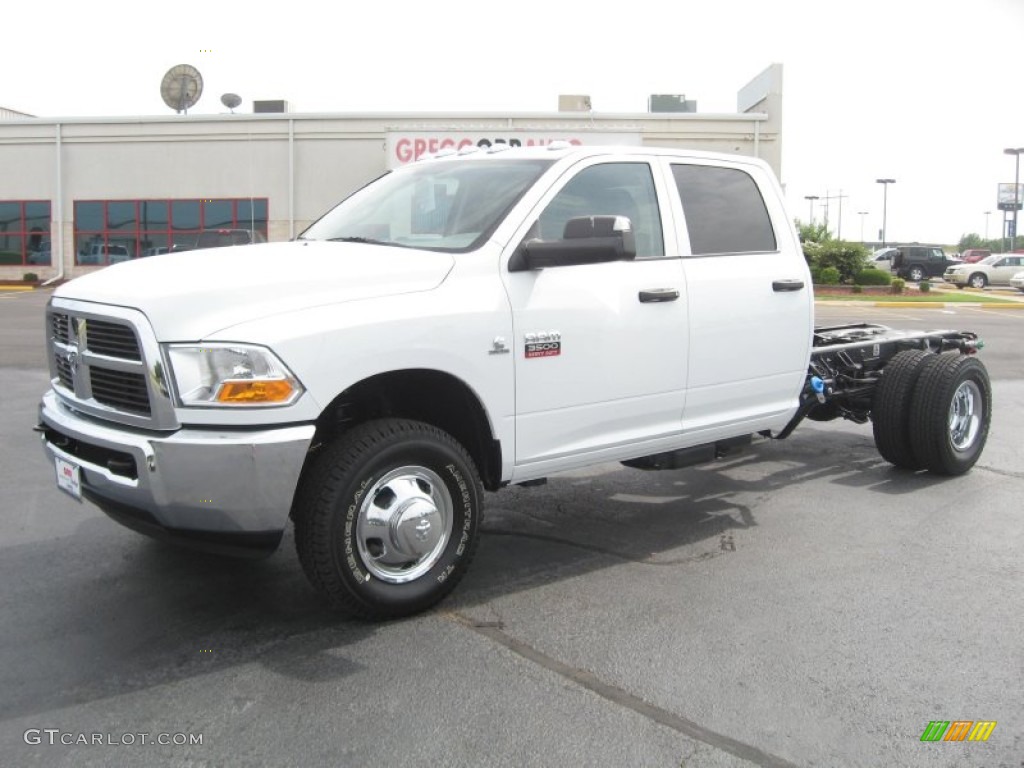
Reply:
x=429, y=396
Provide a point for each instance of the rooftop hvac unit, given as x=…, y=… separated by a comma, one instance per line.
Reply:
x=574, y=103
x=670, y=102
x=271, y=105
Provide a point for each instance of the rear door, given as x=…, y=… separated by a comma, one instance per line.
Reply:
x=1004, y=269
x=749, y=298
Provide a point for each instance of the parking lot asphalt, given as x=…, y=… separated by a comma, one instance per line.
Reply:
x=800, y=604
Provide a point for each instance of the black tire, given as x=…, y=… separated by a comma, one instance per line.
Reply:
x=890, y=409
x=916, y=274
x=950, y=413
x=977, y=280
x=403, y=561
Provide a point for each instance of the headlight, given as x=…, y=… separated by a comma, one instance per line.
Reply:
x=230, y=375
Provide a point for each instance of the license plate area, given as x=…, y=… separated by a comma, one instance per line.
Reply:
x=69, y=477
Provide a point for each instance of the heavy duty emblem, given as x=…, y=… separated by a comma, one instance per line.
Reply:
x=543, y=344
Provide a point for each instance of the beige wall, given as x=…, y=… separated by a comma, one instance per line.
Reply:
x=303, y=164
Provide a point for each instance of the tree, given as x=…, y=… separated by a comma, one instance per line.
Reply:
x=812, y=233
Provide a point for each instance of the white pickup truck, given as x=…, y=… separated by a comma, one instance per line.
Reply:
x=462, y=323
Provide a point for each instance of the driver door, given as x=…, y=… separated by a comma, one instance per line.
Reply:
x=600, y=349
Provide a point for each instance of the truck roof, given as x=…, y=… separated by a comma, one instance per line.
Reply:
x=563, y=149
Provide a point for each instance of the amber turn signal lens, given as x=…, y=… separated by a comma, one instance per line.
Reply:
x=274, y=391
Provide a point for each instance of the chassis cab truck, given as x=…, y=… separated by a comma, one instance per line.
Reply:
x=462, y=323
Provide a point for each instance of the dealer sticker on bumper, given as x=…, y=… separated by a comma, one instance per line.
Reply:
x=69, y=477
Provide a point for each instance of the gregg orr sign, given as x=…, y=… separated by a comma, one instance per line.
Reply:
x=405, y=147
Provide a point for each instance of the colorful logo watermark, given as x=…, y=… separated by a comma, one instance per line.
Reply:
x=958, y=730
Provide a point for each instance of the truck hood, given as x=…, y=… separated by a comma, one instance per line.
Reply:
x=189, y=296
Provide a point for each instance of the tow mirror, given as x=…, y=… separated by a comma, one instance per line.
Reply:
x=585, y=240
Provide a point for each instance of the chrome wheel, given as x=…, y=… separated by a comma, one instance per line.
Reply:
x=978, y=280
x=404, y=524
x=965, y=416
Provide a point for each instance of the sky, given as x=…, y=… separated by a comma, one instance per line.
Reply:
x=926, y=92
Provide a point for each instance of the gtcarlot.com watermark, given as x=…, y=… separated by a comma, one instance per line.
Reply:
x=55, y=736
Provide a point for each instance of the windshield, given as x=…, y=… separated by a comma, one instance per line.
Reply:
x=441, y=206
x=991, y=259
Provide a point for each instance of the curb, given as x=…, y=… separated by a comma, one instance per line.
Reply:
x=927, y=304
x=17, y=287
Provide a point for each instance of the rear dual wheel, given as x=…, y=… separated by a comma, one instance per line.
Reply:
x=950, y=413
x=932, y=411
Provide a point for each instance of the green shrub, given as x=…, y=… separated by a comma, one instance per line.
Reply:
x=856, y=289
x=829, y=276
x=924, y=286
x=846, y=258
x=872, y=276
x=898, y=284
x=30, y=277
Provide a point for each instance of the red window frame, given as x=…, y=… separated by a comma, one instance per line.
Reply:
x=24, y=234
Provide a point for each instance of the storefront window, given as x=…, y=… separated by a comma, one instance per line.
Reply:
x=25, y=232
x=109, y=231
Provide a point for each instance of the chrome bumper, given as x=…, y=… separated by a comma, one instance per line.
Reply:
x=225, y=487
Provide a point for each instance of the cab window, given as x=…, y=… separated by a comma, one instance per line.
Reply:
x=724, y=210
x=610, y=189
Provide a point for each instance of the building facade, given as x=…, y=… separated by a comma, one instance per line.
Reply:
x=77, y=194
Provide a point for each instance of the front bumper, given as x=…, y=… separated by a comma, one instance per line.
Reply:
x=221, y=489
x=956, y=278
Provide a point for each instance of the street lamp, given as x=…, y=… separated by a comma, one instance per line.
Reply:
x=885, y=200
x=862, y=214
x=812, y=198
x=1016, y=190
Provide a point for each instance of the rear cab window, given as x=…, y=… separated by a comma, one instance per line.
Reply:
x=724, y=210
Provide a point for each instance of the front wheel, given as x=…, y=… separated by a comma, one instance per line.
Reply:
x=388, y=519
x=950, y=413
x=978, y=280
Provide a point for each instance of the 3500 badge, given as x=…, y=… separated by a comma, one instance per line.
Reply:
x=543, y=344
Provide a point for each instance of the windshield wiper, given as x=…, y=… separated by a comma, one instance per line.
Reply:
x=369, y=240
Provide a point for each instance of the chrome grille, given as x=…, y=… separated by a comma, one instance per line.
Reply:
x=112, y=339
x=105, y=362
x=119, y=389
x=64, y=372
x=59, y=326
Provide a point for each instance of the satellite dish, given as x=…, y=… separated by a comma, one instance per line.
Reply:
x=181, y=87
x=231, y=100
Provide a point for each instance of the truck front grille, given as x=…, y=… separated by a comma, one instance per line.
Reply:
x=112, y=340
x=106, y=362
x=121, y=390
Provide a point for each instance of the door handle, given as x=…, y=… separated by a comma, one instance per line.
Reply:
x=780, y=286
x=655, y=295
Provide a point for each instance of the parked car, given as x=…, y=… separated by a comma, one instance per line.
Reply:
x=972, y=255
x=993, y=270
x=916, y=262
x=882, y=258
x=1017, y=281
x=218, y=238
x=100, y=253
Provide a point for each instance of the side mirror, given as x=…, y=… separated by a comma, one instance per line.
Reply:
x=585, y=240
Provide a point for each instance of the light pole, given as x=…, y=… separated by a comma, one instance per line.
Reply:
x=987, y=214
x=1016, y=190
x=862, y=214
x=812, y=198
x=885, y=201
